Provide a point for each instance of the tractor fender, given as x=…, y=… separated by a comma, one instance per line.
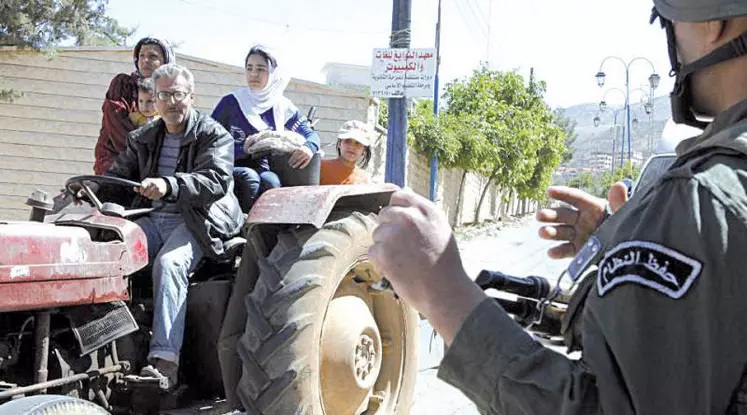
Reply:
x=312, y=205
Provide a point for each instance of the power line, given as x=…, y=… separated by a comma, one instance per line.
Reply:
x=476, y=12
x=490, y=25
x=281, y=24
x=479, y=16
x=471, y=12
x=468, y=23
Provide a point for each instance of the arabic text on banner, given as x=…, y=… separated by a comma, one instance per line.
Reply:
x=399, y=73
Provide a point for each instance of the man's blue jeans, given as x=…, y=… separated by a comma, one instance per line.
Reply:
x=249, y=185
x=174, y=253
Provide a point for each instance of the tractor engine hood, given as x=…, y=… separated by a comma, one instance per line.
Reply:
x=78, y=259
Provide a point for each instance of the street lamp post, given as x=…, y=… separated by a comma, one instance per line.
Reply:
x=634, y=123
x=653, y=80
x=598, y=121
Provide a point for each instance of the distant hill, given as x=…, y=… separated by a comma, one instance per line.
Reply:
x=599, y=139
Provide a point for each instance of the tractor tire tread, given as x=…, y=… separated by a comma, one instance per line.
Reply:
x=275, y=323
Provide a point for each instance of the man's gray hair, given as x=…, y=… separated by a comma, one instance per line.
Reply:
x=172, y=71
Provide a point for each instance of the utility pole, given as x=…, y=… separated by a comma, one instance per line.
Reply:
x=396, y=148
x=434, y=159
x=490, y=18
x=627, y=106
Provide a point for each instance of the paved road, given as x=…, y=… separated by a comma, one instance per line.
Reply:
x=515, y=250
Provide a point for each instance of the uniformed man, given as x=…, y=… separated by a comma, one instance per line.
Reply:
x=664, y=322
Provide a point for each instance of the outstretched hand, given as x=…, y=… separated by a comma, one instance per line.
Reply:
x=574, y=225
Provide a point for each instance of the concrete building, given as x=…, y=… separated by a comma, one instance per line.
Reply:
x=346, y=76
x=599, y=162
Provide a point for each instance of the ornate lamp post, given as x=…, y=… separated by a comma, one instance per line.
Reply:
x=653, y=81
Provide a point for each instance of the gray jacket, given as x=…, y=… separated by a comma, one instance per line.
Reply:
x=203, y=184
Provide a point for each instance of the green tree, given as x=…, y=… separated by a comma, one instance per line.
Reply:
x=457, y=140
x=516, y=124
x=43, y=24
x=569, y=127
x=383, y=113
x=584, y=181
x=607, y=179
x=431, y=135
x=549, y=156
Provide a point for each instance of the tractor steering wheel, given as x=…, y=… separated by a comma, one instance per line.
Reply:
x=75, y=185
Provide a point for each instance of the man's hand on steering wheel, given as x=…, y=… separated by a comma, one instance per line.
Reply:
x=153, y=188
x=86, y=187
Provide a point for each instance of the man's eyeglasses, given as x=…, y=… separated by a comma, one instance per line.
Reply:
x=166, y=95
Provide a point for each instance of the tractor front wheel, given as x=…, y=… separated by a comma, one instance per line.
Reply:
x=51, y=405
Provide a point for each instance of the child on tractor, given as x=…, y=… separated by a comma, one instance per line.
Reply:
x=146, y=103
x=353, y=155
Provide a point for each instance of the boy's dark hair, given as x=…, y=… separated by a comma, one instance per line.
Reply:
x=145, y=85
x=363, y=162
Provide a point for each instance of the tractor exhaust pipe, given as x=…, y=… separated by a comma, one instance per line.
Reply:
x=40, y=204
x=41, y=347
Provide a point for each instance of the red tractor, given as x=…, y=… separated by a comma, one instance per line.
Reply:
x=320, y=337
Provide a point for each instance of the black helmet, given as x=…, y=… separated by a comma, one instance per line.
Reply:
x=696, y=11
x=700, y=10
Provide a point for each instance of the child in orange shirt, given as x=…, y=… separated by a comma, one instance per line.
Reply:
x=353, y=155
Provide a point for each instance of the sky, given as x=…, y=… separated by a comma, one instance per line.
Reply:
x=565, y=41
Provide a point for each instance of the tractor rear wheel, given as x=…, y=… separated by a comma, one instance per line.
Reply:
x=318, y=339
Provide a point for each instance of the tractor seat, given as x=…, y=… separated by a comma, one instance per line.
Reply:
x=208, y=269
x=232, y=248
x=222, y=267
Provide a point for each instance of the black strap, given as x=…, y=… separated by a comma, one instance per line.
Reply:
x=735, y=48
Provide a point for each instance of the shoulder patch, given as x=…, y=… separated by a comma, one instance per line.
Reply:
x=584, y=257
x=648, y=264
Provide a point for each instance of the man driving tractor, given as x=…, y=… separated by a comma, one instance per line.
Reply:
x=184, y=164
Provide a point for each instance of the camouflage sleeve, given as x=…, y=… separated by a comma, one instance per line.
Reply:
x=496, y=364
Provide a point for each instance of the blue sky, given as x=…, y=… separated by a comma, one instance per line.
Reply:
x=564, y=40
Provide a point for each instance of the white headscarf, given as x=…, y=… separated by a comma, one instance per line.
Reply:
x=254, y=104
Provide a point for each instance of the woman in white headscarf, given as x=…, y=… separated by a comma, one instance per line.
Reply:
x=246, y=113
x=260, y=106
